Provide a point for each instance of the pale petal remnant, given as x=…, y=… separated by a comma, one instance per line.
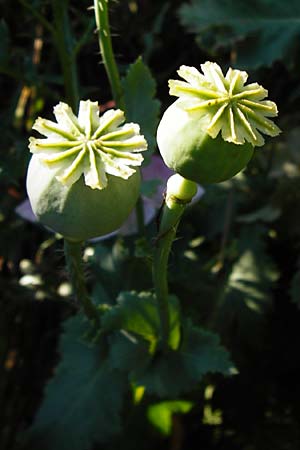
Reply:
x=88, y=145
x=237, y=111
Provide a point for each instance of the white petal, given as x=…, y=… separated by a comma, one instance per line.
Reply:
x=236, y=79
x=213, y=73
x=216, y=122
x=88, y=117
x=67, y=119
x=51, y=129
x=74, y=171
x=109, y=122
x=191, y=75
x=114, y=168
x=134, y=144
x=124, y=132
x=50, y=146
x=183, y=89
x=94, y=172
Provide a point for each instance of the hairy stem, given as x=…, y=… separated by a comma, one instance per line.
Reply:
x=105, y=44
x=174, y=206
x=160, y=276
x=75, y=268
x=109, y=61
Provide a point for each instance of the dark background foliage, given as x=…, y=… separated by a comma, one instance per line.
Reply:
x=235, y=265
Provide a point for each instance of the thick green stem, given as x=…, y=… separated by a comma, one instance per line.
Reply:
x=105, y=44
x=160, y=270
x=65, y=48
x=179, y=193
x=75, y=268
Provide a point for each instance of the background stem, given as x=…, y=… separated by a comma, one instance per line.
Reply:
x=65, y=48
x=111, y=68
x=75, y=267
x=105, y=44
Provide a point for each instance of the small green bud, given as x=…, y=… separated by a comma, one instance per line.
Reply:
x=80, y=181
x=208, y=135
x=180, y=190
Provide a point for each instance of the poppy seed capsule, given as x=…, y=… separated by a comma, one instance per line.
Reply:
x=208, y=135
x=80, y=181
x=77, y=211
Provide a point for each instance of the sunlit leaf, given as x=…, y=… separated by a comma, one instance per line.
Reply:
x=137, y=313
x=160, y=414
x=140, y=103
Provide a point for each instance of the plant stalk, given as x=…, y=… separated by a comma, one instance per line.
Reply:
x=65, y=48
x=105, y=44
x=160, y=277
x=111, y=68
x=74, y=264
x=173, y=209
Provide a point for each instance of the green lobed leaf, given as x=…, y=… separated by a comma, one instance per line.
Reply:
x=160, y=414
x=128, y=353
x=140, y=104
x=83, y=401
x=177, y=372
x=247, y=291
x=137, y=313
x=271, y=28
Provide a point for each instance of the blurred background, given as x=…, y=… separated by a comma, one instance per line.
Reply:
x=235, y=265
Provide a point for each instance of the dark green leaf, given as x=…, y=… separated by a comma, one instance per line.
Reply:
x=127, y=353
x=137, y=313
x=246, y=295
x=180, y=371
x=140, y=105
x=271, y=28
x=83, y=400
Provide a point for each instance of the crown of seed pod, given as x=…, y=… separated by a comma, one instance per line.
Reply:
x=208, y=135
x=83, y=179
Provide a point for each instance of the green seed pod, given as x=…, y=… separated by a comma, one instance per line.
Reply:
x=208, y=135
x=79, y=179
